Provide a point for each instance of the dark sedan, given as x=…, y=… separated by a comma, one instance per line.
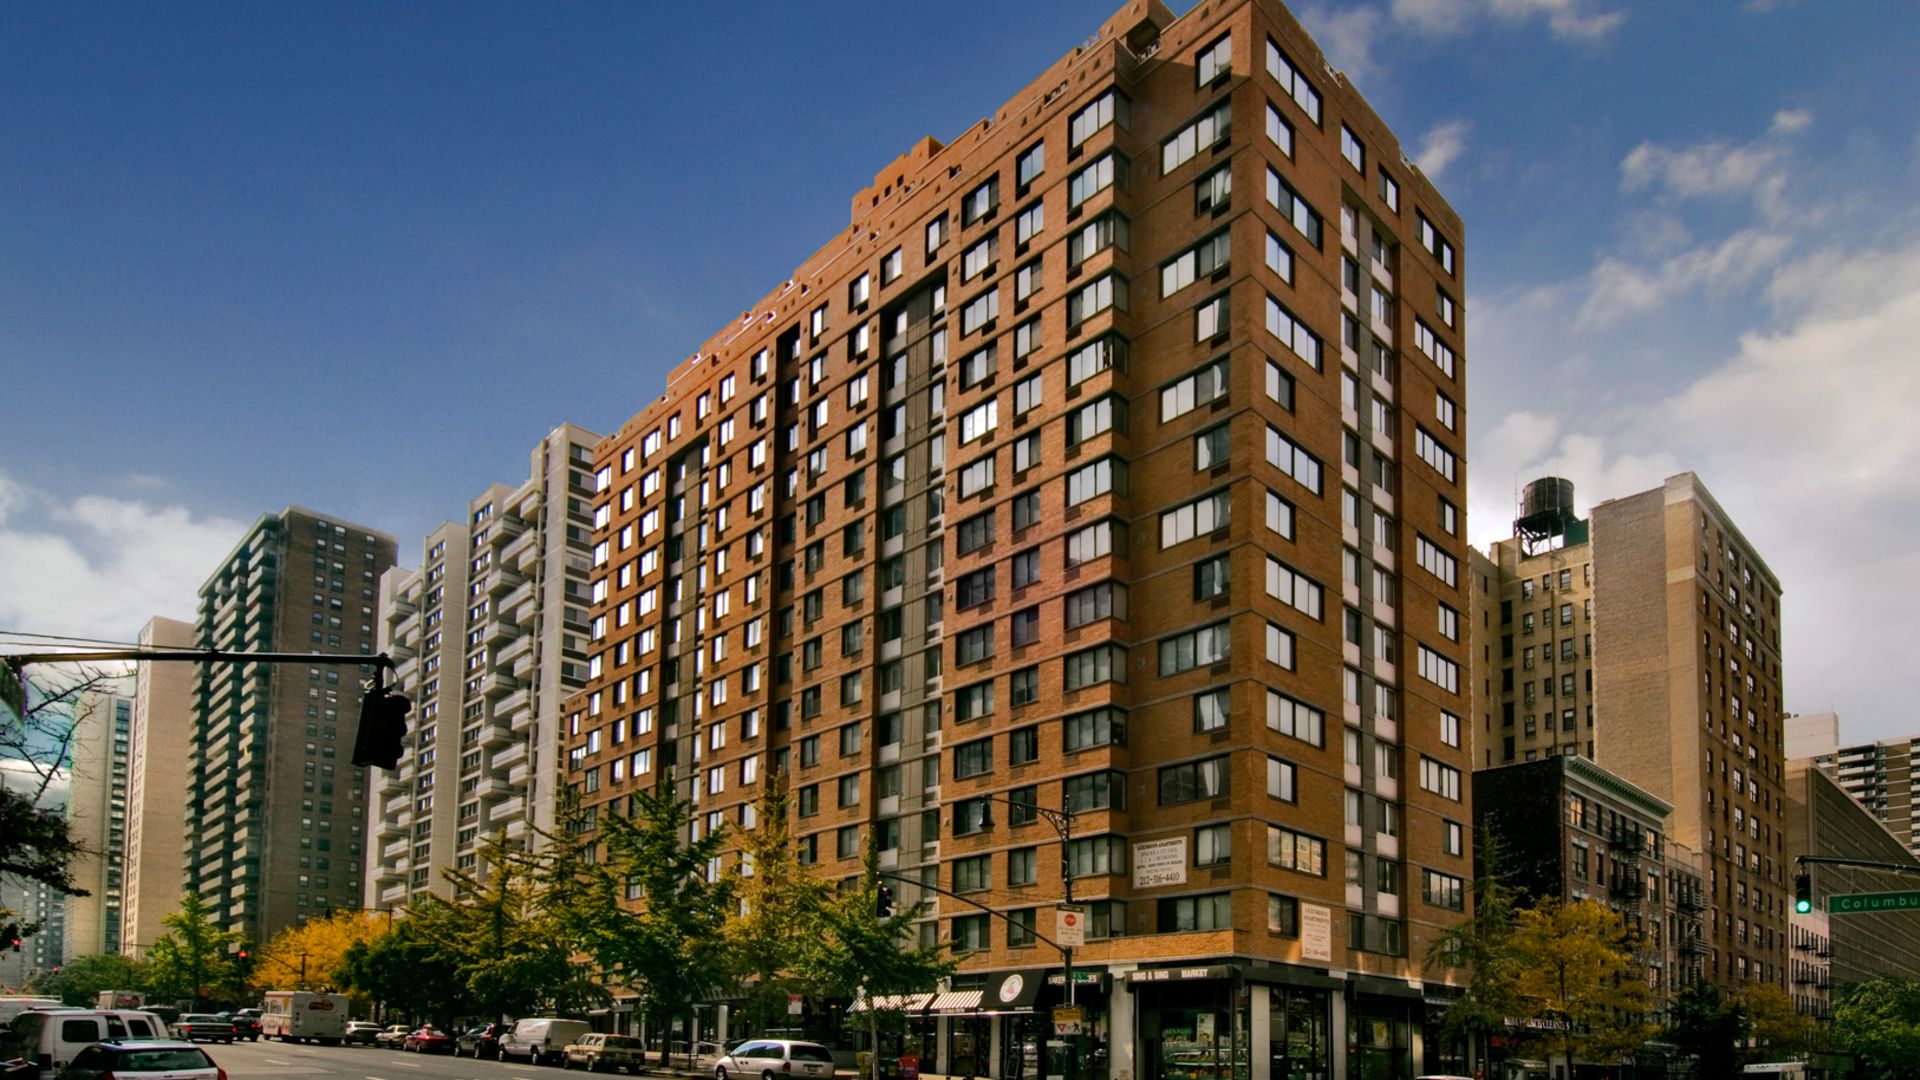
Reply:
x=203, y=1027
x=481, y=1041
x=429, y=1040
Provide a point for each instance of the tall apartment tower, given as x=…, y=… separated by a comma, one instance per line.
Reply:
x=1879, y=775
x=156, y=799
x=97, y=816
x=276, y=814
x=1073, y=475
x=490, y=633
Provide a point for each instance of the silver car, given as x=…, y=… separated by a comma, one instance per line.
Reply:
x=148, y=1060
x=768, y=1058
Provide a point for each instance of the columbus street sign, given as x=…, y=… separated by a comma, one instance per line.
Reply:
x=1859, y=903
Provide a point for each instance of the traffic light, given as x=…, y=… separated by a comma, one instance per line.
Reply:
x=1802, y=893
x=241, y=956
x=883, y=902
x=383, y=727
x=11, y=936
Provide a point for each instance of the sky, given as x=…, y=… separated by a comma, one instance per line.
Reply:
x=361, y=257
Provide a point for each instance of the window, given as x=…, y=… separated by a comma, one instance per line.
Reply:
x=1108, y=108
x=973, y=702
x=1211, y=709
x=1279, y=131
x=1023, y=686
x=980, y=311
x=1022, y=866
x=1390, y=193
x=1215, y=61
x=980, y=202
x=1438, y=246
x=1027, y=281
x=1295, y=462
x=1194, y=780
x=1105, y=600
x=1283, y=915
x=936, y=234
x=1026, y=509
x=1099, y=727
x=1030, y=222
x=1089, y=667
x=1094, y=791
x=1433, y=453
x=1196, y=389
x=1027, y=394
x=1109, y=230
x=1449, y=621
x=1353, y=149
x=1279, y=515
x=974, y=645
x=978, y=365
x=1285, y=199
x=974, y=533
x=973, y=759
x=1095, y=541
x=1096, y=418
x=1296, y=851
x=1436, y=561
x=976, y=476
x=1208, y=129
x=1294, y=589
x=978, y=421
x=1026, y=568
x=970, y=932
x=1212, y=447
x=1210, y=577
x=1094, y=357
x=1441, y=779
x=1096, y=296
x=1098, y=478
x=1213, y=192
x=1108, y=170
x=1433, y=348
x=1439, y=670
x=1295, y=719
x=979, y=258
x=849, y=739
x=1443, y=411
x=1293, y=333
x=1195, y=648
x=973, y=589
x=1444, y=307
x=1201, y=260
x=1096, y=855
x=1213, y=845
x=1450, y=728
x=1443, y=890
x=1030, y=164
x=1197, y=518
x=1293, y=83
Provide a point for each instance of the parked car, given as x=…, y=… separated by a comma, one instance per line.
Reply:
x=54, y=1037
x=203, y=1027
x=429, y=1040
x=539, y=1039
x=362, y=1032
x=246, y=1024
x=595, y=1051
x=481, y=1041
x=764, y=1057
x=393, y=1037
x=169, y=1059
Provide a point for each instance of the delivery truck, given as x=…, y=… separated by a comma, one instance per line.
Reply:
x=298, y=1016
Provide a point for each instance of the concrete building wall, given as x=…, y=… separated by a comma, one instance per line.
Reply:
x=1823, y=820
x=97, y=782
x=156, y=793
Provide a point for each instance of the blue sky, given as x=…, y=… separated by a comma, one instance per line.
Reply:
x=1692, y=243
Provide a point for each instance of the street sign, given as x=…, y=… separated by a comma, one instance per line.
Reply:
x=1064, y=1014
x=1861, y=903
x=1070, y=926
x=795, y=1004
x=1066, y=1027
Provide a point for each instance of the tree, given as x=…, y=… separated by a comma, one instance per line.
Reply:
x=854, y=953
x=305, y=957
x=670, y=949
x=1574, y=970
x=1779, y=1030
x=1712, y=1031
x=1878, y=1019
x=511, y=955
x=38, y=725
x=779, y=897
x=80, y=980
x=1477, y=947
x=405, y=971
x=190, y=960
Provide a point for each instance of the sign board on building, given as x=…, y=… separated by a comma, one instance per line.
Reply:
x=1070, y=926
x=1160, y=862
x=1316, y=933
x=795, y=1004
x=1859, y=903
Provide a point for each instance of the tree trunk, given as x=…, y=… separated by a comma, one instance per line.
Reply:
x=873, y=1029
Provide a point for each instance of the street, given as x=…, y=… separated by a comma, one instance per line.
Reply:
x=248, y=1061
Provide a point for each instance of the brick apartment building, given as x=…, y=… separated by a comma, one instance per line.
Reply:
x=1110, y=460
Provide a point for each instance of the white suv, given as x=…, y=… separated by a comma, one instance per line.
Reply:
x=767, y=1058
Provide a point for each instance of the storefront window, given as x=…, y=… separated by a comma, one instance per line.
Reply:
x=1297, y=1021
x=1377, y=1041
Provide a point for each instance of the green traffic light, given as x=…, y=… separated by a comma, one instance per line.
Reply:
x=1803, y=906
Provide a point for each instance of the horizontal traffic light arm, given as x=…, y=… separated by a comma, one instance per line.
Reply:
x=1864, y=864
x=18, y=660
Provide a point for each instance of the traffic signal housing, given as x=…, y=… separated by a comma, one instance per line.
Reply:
x=383, y=727
x=883, y=902
x=11, y=936
x=1802, y=893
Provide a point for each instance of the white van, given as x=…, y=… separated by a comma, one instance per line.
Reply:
x=51, y=1037
x=12, y=1005
x=541, y=1039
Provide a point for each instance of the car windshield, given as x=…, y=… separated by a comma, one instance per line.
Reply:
x=201, y=1018
x=806, y=1052
x=167, y=1060
x=626, y=1041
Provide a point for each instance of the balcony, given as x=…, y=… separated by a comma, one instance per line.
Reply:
x=394, y=894
x=520, y=646
x=1627, y=841
x=510, y=607
x=514, y=806
x=504, y=580
x=499, y=684
x=496, y=787
x=511, y=756
x=514, y=703
x=496, y=732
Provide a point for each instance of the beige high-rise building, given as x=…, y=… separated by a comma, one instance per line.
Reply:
x=489, y=634
x=1649, y=640
x=1879, y=775
x=156, y=793
x=97, y=815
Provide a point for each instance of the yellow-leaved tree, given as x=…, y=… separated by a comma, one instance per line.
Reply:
x=305, y=957
x=1577, y=983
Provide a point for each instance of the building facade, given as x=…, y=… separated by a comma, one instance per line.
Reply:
x=156, y=799
x=1687, y=616
x=1109, y=462
x=1542, y=690
x=1879, y=775
x=276, y=813
x=1608, y=843
x=97, y=781
x=489, y=635
x=1834, y=947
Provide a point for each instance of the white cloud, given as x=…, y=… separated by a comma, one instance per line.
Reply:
x=1434, y=16
x=1347, y=35
x=99, y=566
x=1569, y=19
x=1791, y=121
x=1440, y=146
x=1804, y=434
x=1621, y=288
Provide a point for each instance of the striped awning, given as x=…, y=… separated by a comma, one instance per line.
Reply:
x=955, y=1001
x=900, y=1002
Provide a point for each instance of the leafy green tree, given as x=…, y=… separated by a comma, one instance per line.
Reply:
x=1879, y=1021
x=406, y=971
x=1780, y=1032
x=80, y=980
x=511, y=957
x=854, y=953
x=1575, y=969
x=1710, y=1030
x=670, y=949
x=779, y=897
x=191, y=959
x=1476, y=949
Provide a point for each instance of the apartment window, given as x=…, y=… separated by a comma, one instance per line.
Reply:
x=973, y=759
x=974, y=645
x=1439, y=670
x=1095, y=541
x=1292, y=83
x=1433, y=348
x=1193, y=390
x=1204, y=259
x=849, y=739
x=1353, y=149
x=1195, y=648
x=1095, y=357
x=973, y=589
x=1094, y=791
x=1289, y=458
x=1436, y=561
x=1296, y=851
x=1282, y=197
x=979, y=421
x=1026, y=509
x=1283, y=915
x=980, y=202
x=1215, y=61
x=978, y=365
x=1282, y=780
x=1108, y=108
x=1433, y=453
x=1027, y=281
x=1194, y=781
x=973, y=702
x=1109, y=169
x=1207, y=130
x=1023, y=687
x=1023, y=746
x=849, y=790
x=1029, y=222
x=980, y=311
x=1109, y=230
x=1095, y=418
x=1279, y=131
x=1211, y=709
x=979, y=258
x=1390, y=192
x=936, y=234
x=976, y=476
x=974, y=533
x=1213, y=845
x=1099, y=478
x=1030, y=164
x=1210, y=577
x=1089, y=667
x=1095, y=855
x=1441, y=779
x=1295, y=719
x=1437, y=245
x=1027, y=393
x=1104, y=292
x=1295, y=589
x=1099, y=727
x=1443, y=890
x=1213, y=192
x=1285, y=325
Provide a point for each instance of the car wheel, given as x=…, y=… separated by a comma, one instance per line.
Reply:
x=720, y=1072
x=767, y=1075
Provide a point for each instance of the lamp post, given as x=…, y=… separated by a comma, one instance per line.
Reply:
x=1061, y=821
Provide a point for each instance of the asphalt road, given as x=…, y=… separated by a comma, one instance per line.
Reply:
x=275, y=1061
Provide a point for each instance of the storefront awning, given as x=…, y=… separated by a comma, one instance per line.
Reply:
x=910, y=1003
x=952, y=1002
